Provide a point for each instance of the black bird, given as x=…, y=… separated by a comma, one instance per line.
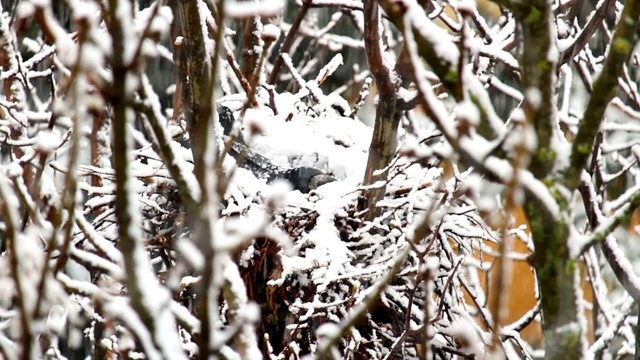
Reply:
x=302, y=178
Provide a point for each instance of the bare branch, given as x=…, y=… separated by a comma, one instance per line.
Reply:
x=288, y=40
x=603, y=90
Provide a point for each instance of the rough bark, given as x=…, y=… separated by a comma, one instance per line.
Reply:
x=384, y=140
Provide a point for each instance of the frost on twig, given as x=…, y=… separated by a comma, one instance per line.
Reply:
x=158, y=196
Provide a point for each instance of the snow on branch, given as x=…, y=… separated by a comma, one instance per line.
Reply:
x=180, y=181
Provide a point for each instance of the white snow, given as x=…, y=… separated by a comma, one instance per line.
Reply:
x=25, y=9
x=338, y=254
x=271, y=31
x=468, y=111
x=310, y=141
x=330, y=68
x=264, y=8
x=533, y=97
x=46, y=141
x=441, y=40
x=467, y=6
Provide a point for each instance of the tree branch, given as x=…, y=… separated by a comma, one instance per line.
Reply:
x=288, y=40
x=384, y=140
x=604, y=89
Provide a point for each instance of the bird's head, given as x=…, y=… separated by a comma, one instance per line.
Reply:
x=306, y=179
x=225, y=116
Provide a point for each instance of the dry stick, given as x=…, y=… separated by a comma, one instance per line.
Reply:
x=35, y=197
x=488, y=322
x=201, y=87
x=481, y=25
x=503, y=269
x=428, y=289
x=13, y=88
x=362, y=95
x=589, y=257
x=147, y=29
x=618, y=262
x=68, y=198
x=11, y=223
x=209, y=197
x=236, y=69
x=355, y=314
x=71, y=179
x=155, y=124
x=587, y=81
x=461, y=57
x=254, y=81
x=426, y=278
x=360, y=310
x=10, y=213
x=526, y=319
x=32, y=211
x=35, y=189
x=562, y=7
x=603, y=90
x=268, y=41
x=288, y=41
x=129, y=232
x=627, y=85
x=420, y=233
x=600, y=317
x=440, y=14
x=251, y=40
x=447, y=286
x=587, y=32
x=223, y=182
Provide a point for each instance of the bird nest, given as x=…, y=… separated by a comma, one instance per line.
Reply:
x=334, y=259
x=337, y=258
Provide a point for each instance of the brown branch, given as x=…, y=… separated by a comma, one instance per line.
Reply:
x=251, y=41
x=604, y=89
x=383, y=142
x=587, y=32
x=609, y=246
x=288, y=40
x=231, y=60
x=373, y=49
x=10, y=215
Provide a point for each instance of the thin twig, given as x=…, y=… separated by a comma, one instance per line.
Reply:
x=288, y=40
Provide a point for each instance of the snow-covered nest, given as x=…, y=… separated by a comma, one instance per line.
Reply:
x=318, y=258
x=334, y=257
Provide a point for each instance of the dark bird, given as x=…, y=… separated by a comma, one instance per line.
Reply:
x=302, y=178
